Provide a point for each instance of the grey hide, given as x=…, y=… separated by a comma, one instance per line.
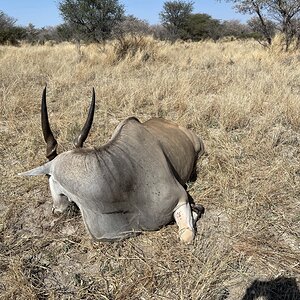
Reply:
x=133, y=183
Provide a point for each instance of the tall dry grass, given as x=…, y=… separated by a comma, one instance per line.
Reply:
x=244, y=102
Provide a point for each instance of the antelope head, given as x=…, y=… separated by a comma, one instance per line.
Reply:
x=59, y=195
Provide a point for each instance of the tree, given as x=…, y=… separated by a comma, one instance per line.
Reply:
x=297, y=31
x=175, y=15
x=31, y=33
x=202, y=26
x=6, y=21
x=132, y=25
x=9, y=32
x=283, y=14
x=65, y=32
x=49, y=33
x=235, y=28
x=160, y=32
x=92, y=20
x=268, y=28
x=254, y=7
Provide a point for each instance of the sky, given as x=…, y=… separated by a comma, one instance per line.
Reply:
x=45, y=12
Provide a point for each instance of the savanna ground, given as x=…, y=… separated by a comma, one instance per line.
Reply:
x=243, y=100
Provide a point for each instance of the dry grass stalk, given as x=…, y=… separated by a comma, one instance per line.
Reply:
x=244, y=102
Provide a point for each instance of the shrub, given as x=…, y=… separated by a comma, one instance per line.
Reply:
x=129, y=46
x=12, y=35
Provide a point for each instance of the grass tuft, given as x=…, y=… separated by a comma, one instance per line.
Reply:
x=243, y=101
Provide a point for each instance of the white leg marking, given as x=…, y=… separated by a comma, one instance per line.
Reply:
x=60, y=201
x=184, y=220
x=195, y=217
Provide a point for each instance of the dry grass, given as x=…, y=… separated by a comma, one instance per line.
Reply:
x=242, y=100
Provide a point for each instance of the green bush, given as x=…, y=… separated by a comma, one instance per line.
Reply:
x=12, y=35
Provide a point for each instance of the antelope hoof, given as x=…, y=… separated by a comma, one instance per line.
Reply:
x=186, y=235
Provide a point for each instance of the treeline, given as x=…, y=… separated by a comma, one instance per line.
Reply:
x=100, y=20
x=201, y=28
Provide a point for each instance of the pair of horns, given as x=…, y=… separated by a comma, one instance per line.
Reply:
x=48, y=135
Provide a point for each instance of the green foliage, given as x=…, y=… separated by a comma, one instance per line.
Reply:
x=91, y=20
x=64, y=32
x=202, y=26
x=175, y=15
x=12, y=35
x=9, y=33
x=234, y=28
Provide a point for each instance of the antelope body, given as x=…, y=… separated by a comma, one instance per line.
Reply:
x=135, y=182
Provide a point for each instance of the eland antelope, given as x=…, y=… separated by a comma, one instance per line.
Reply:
x=134, y=182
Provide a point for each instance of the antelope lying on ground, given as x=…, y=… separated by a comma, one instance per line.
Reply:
x=135, y=182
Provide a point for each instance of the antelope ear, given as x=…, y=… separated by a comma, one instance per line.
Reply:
x=42, y=170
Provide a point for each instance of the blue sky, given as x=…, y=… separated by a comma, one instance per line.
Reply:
x=45, y=12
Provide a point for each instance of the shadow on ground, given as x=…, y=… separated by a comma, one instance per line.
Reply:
x=281, y=288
